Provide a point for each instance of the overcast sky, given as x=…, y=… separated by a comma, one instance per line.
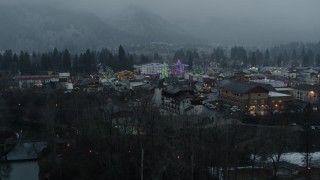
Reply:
x=299, y=17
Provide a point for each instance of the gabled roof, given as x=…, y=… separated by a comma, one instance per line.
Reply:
x=243, y=87
x=175, y=91
x=307, y=87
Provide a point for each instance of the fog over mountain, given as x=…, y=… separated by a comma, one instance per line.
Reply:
x=79, y=24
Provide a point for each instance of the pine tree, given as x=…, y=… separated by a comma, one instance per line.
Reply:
x=179, y=54
x=66, y=60
x=280, y=60
x=305, y=60
x=318, y=60
x=310, y=57
x=14, y=67
x=7, y=59
x=156, y=56
x=1, y=61
x=253, y=59
x=121, y=54
x=266, y=58
x=24, y=63
x=294, y=55
x=75, y=63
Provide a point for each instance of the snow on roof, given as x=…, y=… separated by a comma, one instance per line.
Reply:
x=135, y=84
x=152, y=64
x=284, y=89
x=276, y=94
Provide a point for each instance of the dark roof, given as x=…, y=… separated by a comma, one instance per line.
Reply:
x=171, y=91
x=307, y=87
x=243, y=87
x=241, y=73
x=171, y=80
x=266, y=86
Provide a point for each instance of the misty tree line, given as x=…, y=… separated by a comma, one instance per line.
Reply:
x=296, y=54
x=63, y=61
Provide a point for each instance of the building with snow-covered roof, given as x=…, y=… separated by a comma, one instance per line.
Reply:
x=307, y=93
x=151, y=69
x=253, y=97
x=273, y=83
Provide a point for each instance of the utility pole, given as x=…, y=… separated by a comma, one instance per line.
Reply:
x=142, y=157
x=307, y=118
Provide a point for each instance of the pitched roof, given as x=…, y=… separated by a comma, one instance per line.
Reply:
x=307, y=87
x=243, y=87
x=175, y=91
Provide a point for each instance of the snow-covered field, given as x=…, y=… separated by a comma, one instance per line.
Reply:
x=298, y=158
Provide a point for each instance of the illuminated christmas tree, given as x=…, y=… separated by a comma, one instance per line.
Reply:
x=164, y=71
x=179, y=68
x=197, y=69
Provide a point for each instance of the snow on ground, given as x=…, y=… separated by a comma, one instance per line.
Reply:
x=298, y=158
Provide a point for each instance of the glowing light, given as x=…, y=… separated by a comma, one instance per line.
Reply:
x=179, y=68
x=164, y=71
x=311, y=93
x=197, y=69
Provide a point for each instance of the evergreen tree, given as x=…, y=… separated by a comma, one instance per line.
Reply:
x=302, y=54
x=253, y=59
x=144, y=59
x=179, y=54
x=279, y=60
x=24, y=63
x=259, y=57
x=294, y=55
x=56, y=59
x=285, y=56
x=156, y=56
x=7, y=59
x=190, y=62
x=305, y=60
x=14, y=67
x=75, y=63
x=130, y=63
x=45, y=62
x=121, y=54
x=1, y=61
x=66, y=59
x=239, y=54
x=104, y=58
x=318, y=60
x=218, y=54
x=310, y=57
x=195, y=54
x=267, y=58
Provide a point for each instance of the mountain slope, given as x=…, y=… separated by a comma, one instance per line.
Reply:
x=43, y=28
x=149, y=26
